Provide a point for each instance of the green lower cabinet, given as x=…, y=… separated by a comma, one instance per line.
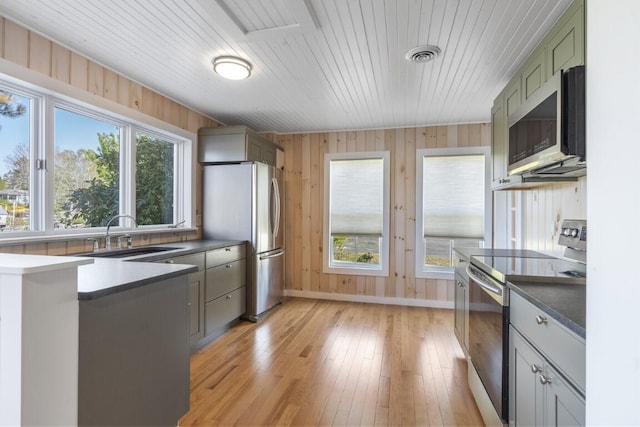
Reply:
x=538, y=394
x=563, y=405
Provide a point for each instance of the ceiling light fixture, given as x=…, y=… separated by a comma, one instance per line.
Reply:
x=231, y=67
x=422, y=54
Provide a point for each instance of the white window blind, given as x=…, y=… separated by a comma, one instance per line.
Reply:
x=453, y=196
x=356, y=197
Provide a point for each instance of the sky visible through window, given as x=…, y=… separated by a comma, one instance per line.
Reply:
x=76, y=132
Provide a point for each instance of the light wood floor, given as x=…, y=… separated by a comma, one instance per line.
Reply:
x=334, y=363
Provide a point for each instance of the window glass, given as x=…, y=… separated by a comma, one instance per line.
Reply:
x=155, y=180
x=355, y=249
x=87, y=170
x=15, y=172
x=356, y=206
x=452, y=205
x=67, y=168
x=357, y=212
x=453, y=196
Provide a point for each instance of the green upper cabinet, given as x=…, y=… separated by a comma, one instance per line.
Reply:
x=512, y=95
x=565, y=44
x=505, y=104
x=562, y=48
x=533, y=73
x=498, y=142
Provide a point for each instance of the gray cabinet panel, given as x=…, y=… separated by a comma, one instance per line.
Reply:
x=564, y=348
x=563, y=405
x=538, y=353
x=196, y=306
x=224, y=309
x=133, y=366
x=525, y=394
x=534, y=74
x=235, y=144
x=461, y=312
x=498, y=141
x=226, y=255
x=565, y=48
x=225, y=278
x=193, y=259
x=196, y=293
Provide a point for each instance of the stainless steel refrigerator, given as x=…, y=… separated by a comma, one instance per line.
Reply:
x=242, y=201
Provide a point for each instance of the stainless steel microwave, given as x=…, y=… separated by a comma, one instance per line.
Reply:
x=547, y=131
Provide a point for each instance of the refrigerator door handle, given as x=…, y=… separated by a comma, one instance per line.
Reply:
x=276, y=213
x=272, y=255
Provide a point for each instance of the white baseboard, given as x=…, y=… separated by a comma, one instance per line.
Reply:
x=334, y=296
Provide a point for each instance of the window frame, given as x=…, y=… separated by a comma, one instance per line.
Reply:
x=49, y=94
x=359, y=269
x=439, y=272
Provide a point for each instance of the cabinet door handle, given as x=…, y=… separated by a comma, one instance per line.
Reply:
x=227, y=249
x=228, y=266
x=535, y=368
x=544, y=380
x=541, y=320
x=228, y=297
x=169, y=261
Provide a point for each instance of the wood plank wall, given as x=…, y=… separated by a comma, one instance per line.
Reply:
x=304, y=180
x=544, y=209
x=32, y=51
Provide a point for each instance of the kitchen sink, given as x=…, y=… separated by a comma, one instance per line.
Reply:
x=124, y=253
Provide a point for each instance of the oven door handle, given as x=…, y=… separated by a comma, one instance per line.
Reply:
x=494, y=291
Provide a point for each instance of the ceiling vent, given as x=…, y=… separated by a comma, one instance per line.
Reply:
x=422, y=54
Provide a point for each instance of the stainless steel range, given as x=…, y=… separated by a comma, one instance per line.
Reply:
x=489, y=304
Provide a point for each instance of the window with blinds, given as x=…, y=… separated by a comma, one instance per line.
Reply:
x=452, y=206
x=356, y=212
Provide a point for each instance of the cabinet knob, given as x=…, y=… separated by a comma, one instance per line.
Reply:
x=227, y=249
x=169, y=261
x=541, y=320
x=227, y=266
x=228, y=297
x=544, y=380
x=535, y=368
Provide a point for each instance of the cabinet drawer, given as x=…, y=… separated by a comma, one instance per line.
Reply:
x=225, y=278
x=193, y=259
x=563, y=348
x=226, y=255
x=224, y=309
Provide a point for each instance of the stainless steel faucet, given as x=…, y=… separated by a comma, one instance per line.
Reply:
x=107, y=237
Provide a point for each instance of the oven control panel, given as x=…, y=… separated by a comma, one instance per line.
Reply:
x=573, y=234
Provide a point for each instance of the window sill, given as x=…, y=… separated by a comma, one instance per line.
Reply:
x=45, y=238
x=432, y=274
x=356, y=271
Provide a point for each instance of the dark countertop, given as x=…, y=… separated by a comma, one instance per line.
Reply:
x=522, y=253
x=565, y=302
x=110, y=275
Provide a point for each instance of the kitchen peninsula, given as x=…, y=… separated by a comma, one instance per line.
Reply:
x=134, y=335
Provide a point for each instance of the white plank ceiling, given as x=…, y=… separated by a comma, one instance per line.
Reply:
x=318, y=65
